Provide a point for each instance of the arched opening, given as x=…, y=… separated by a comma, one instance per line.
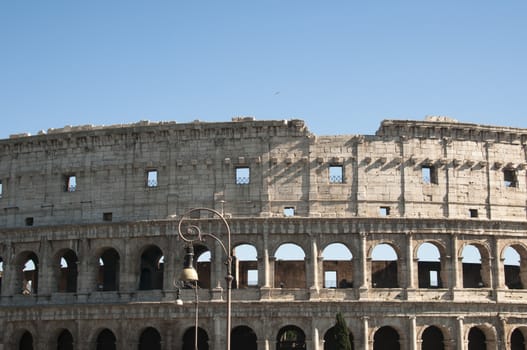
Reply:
x=386, y=338
x=476, y=339
x=243, y=338
x=67, y=272
x=330, y=342
x=515, y=267
x=337, y=266
x=473, y=268
x=202, y=258
x=152, y=262
x=108, y=276
x=188, y=339
x=429, y=266
x=432, y=339
x=106, y=340
x=26, y=341
x=150, y=339
x=65, y=340
x=290, y=268
x=384, y=270
x=517, y=340
x=28, y=280
x=245, y=266
x=290, y=338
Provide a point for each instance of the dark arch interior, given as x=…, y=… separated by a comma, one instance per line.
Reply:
x=432, y=339
x=290, y=337
x=26, y=341
x=65, y=341
x=188, y=339
x=151, y=269
x=150, y=339
x=108, y=279
x=386, y=338
x=106, y=340
x=517, y=340
x=243, y=338
x=476, y=339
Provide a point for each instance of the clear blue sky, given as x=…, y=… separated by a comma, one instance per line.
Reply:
x=343, y=66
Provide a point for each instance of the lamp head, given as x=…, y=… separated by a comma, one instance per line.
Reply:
x=189, y=273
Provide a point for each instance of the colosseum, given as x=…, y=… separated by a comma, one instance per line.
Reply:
x=416, y=235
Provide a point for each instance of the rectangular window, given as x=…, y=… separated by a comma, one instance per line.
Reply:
x=510, y=178
x=107, y=216
x=151, y=178
x=473, y=213
x=289, y=211
x=70, y=183
x=29, y=221
x=384, y=211
x=1, y=189
x=330, y=279
x=434, y=281
x=252, y=278
x=243, y=175
x=336, y=175
x=429, y=174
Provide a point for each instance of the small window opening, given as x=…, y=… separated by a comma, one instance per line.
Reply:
x=384, y=211
x=252, y=278
x=473, y=213
x=1, y=189
x=330, y=279
x=289, y=211
x=151, y=178
x=510, y=178
x=243, y=175
x=434, y=280
x=107, y=216
x=336, y=174
x=429, y=174
x=29, y=221
x=70, y=183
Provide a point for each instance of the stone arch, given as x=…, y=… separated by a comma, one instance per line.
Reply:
x=26, y=342
x=517, y=338
x=188, y=339
x=432, y=338
x=431, y=269
x=151, y=268
x=475, y=274
x=109, y=269
x=106, y=340
x=243, y=338
x=245, y=266
x=65, y=268
x=386, y=337
x=290, y=266
x=27, y=265
x=481, y=337
x=150, y=339
x=291, y=338
x=337, y=266
x=65, y=340
x=384, y=260
x=329, y=339
x=515, y=272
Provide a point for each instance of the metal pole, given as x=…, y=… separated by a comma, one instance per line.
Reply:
x=196, y=320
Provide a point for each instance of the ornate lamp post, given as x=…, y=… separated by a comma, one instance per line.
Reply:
x=190, y=233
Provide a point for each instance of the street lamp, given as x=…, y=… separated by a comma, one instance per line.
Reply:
x=190, y=233
x=189, y=275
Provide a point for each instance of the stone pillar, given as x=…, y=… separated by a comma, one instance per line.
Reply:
x=460, y=341
x=316, y=339
x=412, y=338
x=364, y=268
x=410, y=278
x=262, y=344
x=455, y=260
x=219, y=336
x=313, y=282
x=365, y=333
x=498, y=266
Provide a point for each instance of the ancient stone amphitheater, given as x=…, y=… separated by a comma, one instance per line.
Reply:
x=415, y=234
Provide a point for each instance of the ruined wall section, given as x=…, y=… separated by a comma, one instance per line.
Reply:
x=195, y=165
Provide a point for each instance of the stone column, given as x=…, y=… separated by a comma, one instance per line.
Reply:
x=460, y=341
x=363, y=278
x=498, y=266
x=411, y=334
x=313, y=282
x=410, y=280
x=316, y=339
x=365, y=333
x=455, y=276
x=262, y=344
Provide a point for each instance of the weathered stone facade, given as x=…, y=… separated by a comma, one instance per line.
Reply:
x=89, y=244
